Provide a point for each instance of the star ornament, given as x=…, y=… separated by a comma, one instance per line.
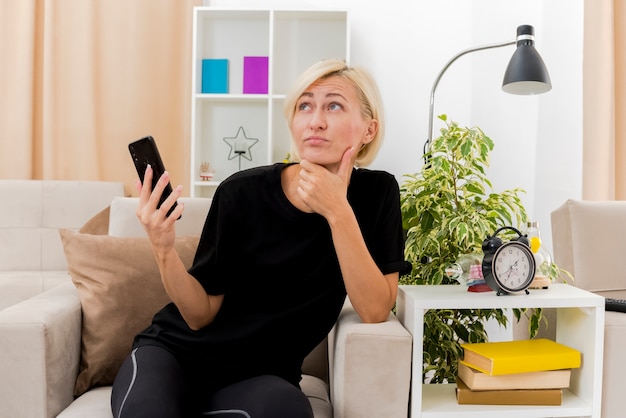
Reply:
x=240, y=145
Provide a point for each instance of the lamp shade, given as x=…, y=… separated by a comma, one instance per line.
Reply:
x=526, y=72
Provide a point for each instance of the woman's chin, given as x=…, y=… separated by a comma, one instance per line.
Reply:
x=324, y=162
x=319, y=158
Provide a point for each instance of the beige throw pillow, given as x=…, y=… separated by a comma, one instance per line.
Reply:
x=120, y=290
x=99, y=224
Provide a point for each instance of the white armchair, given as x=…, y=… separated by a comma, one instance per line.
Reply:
x=362, y=370
x=588, y=241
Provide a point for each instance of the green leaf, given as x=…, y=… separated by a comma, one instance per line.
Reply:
x=466, y=149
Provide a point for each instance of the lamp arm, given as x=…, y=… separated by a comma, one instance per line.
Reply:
x=443, y=70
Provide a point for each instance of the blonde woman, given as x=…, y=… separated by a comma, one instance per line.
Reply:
x=281, y=248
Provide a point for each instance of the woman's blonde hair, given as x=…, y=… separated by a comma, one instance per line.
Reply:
x=367, y=92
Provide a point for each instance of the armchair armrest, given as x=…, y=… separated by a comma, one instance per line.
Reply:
x=40, y=346
x=370, y=367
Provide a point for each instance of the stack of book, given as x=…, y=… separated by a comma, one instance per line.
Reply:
x=524, y=372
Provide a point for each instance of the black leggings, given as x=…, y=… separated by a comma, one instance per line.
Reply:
x=151, y=383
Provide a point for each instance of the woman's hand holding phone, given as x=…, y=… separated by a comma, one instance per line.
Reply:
x=144, y=153
x=158, y=209
x=153, y=214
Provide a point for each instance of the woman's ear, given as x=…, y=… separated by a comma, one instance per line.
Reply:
x=372, y=129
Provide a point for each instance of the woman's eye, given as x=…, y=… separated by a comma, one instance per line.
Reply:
x=304, y=106
x=335, y=106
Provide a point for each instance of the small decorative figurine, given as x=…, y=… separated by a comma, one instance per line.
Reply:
x=206, y=171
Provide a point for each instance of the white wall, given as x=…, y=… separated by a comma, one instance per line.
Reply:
x=405, y=43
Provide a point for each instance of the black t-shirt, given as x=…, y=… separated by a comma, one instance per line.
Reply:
x=279, y=274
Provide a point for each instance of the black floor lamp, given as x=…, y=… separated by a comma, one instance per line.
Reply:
x=525, y=74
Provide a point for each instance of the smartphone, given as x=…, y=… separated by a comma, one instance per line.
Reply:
x=144, y=151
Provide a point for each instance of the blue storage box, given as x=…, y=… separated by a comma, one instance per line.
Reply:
x=214, y=76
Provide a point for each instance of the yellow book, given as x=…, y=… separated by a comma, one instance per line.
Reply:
x=521, y=356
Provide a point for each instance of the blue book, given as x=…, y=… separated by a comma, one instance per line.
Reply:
x=214, y=76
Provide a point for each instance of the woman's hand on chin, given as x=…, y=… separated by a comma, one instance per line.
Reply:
x=322, y=190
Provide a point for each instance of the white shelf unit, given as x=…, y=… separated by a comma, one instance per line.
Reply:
x=292, y=40
x=580, y=324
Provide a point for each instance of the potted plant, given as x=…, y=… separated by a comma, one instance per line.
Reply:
x=448, y=209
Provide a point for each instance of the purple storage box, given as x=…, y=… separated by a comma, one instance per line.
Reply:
x=255, y=75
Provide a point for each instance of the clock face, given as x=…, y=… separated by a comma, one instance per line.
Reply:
x=513, y=266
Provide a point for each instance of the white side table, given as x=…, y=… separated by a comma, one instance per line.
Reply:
x=580, y=325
